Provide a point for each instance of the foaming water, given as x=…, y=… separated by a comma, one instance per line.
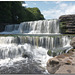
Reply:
x=9, y=54
x=9, y=62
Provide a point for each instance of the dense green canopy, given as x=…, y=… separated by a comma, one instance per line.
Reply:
x=14, y=12
x=36, y=12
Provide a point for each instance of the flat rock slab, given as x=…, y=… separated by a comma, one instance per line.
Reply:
x=66, y=69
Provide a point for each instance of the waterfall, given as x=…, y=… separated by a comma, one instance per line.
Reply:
x=13, y=27
x=35, y=49
x=27, y=50
x=47, y=42
x=41, y=26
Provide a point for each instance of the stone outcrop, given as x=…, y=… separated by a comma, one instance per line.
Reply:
x=72, y=43
x=67, y=24
x=64, y=63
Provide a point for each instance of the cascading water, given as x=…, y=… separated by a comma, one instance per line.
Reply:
x=41, y=26
x=32, y=48
x=13, y=49
x=44, y=26
x=12, y=27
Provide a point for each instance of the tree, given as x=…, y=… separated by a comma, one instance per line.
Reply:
x=5, y=12
x=14, y=12
x=37, y=13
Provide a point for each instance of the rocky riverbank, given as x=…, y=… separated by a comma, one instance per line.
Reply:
x=67, y=24
x=64, y=63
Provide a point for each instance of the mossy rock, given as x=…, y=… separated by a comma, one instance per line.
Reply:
x=54, y=54
x=49, y=52
x=25, y=55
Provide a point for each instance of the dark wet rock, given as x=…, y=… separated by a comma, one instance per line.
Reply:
x=54, y=54
x=53, y=65
x=27, y=55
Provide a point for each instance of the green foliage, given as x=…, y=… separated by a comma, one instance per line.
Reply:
x=36, y=12
x=5, y=12
x=14, y=12
x=62, y=27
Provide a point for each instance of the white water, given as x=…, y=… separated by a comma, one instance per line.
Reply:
x=13, y=53
x=11, y=47
x=42, y=41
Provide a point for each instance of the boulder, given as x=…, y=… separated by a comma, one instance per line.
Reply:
x=64, y=63
x=72, y=43
x=53, y=65
x=27, y=55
